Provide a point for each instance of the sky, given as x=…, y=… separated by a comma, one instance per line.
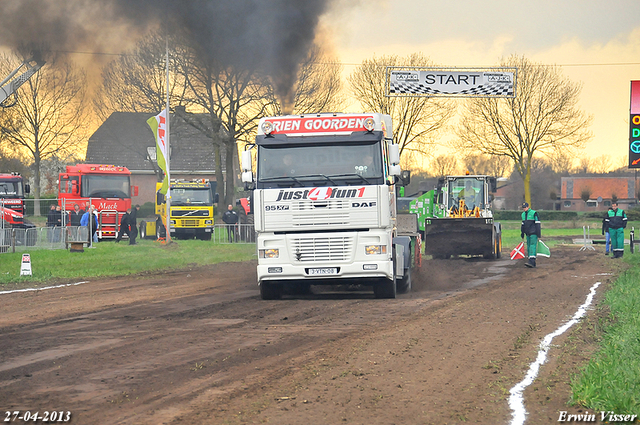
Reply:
x=596, y=44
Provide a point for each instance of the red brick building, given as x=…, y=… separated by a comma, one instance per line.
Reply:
x=599, y=191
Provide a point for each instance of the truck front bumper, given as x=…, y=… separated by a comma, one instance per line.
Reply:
x=326, y=273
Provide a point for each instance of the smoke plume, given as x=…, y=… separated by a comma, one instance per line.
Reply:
x=272, y=36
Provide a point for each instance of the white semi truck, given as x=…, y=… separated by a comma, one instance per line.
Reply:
x=324, y=204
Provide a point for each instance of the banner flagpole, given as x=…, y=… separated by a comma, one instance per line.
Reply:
x=168, y=158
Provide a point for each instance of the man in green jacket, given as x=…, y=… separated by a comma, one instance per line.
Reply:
x=616, y=221
x=530, y=227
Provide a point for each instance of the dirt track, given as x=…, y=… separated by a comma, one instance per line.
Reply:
x=200, y=347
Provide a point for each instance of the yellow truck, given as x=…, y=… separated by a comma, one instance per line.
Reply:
x=191, y=212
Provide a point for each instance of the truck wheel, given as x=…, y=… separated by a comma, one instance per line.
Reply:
x=404, y=285
x=160, y=231
x=386, y=288
x=270, y=291
x=499, y=247
x=143, y=230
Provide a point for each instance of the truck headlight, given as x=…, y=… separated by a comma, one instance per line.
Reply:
x=208, y=222
x=269, y=253
x=172, y=222
x=375, y=249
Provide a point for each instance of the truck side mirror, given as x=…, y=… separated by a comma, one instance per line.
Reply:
x=27, y=188
x=493, y=184
x=134, y=190
x=394, y=154
x=216, y=198
x=247, y=177
x=246, y=162
x=160, y=198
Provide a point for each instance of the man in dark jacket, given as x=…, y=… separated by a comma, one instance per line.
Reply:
x=133, y=223
x=230, y=218
x=125, y=224
x=75, y=215
x=530, y=227
x=616, y=221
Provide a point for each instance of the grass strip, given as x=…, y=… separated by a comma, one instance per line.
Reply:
x=111, y=259
x=611, y=380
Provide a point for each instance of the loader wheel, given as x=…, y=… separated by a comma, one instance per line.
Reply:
x=270, y=290
x=404, y=285
x=499, y=248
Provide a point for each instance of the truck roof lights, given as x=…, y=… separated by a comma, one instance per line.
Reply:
x=369, y=124
x=267, y=127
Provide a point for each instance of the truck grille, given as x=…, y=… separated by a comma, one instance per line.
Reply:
x=191, y=213
x=189, y=223
x=331, y=248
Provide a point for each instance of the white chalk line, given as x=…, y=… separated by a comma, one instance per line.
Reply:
x=516, y=400
x=42, y=289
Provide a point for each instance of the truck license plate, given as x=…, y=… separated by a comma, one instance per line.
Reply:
x=327, y=270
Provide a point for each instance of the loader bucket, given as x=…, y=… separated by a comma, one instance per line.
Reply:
x=445, y=237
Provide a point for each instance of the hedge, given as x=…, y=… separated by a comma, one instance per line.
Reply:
x=544, y=215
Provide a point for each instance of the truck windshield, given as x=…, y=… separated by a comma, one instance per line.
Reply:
x=191, y=196
x=469, y=189
x=106, y=186
x=11, y=190
x=320, y=165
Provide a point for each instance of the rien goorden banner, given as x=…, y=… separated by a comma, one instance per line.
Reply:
x=634, y=126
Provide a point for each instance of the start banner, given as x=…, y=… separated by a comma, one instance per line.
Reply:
x=403, y=81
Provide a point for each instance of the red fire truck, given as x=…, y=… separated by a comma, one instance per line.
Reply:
x=12, y=193
x=107, y=187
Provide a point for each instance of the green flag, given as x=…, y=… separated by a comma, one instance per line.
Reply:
x=543, y=249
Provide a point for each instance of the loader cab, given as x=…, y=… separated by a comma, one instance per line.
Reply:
x=472, y=190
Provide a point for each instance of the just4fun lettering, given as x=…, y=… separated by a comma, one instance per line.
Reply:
x=609, y=416
x=320, y=194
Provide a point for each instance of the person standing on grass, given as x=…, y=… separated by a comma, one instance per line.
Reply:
x=90, y=220
x=616, y=222
x=230, y=218
x=605, y=232
x=531, y=228
x=125, y=226
x=75, y=216
x=133, y=223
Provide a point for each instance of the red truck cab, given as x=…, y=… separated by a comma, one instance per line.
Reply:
x=106, y=187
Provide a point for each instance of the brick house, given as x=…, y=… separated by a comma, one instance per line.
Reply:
x=600, y=191
x=123, y=140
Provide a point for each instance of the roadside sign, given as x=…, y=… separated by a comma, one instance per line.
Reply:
x=451, y=82
x=634, y=126
x=25, y=268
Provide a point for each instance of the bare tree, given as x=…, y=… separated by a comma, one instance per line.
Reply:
x=543, y=116
x=416, y=120
x=492, y=165
x=444, y=165
x=561, y=161
x=319, y=87
x=48, y=114
x=233, y=100
x=136, y=81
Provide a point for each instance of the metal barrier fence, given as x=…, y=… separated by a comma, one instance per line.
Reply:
x=18, y=240
x=235, y=233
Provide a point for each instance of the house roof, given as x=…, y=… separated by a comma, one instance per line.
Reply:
x=605, y=187
x=124, y=137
